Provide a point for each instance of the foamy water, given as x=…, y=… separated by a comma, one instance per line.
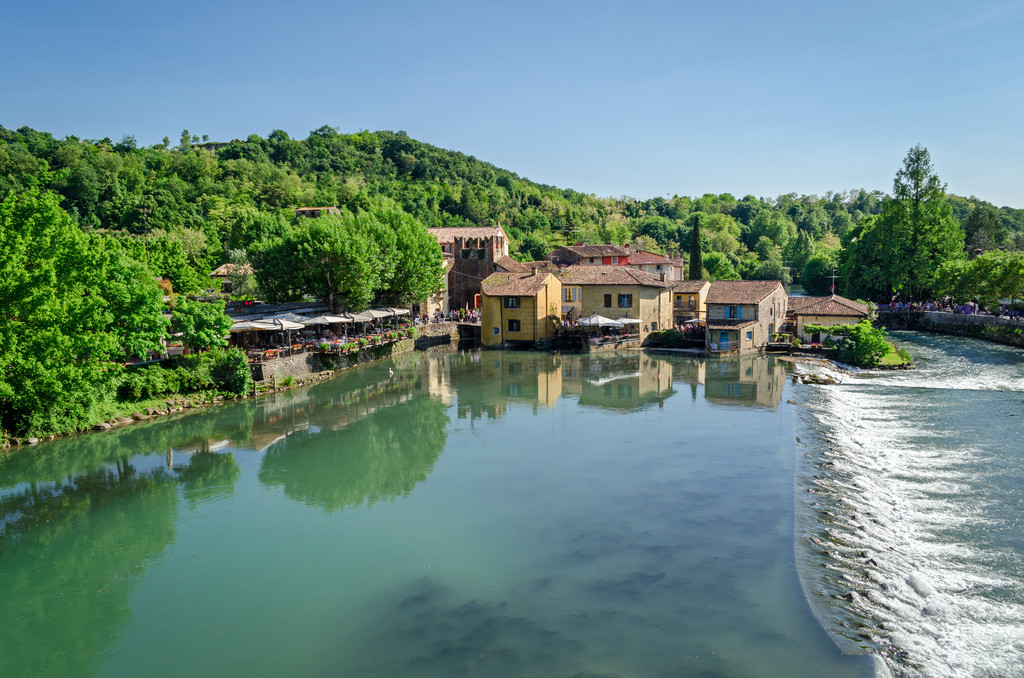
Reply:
x=909, y=510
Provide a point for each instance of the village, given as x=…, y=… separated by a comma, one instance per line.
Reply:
x=582, y=297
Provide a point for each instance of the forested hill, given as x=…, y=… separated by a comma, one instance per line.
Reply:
x=189, y=204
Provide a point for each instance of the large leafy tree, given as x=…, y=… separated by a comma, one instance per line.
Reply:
x=900, y=251
x=73, y=308
x=202, y=325
x=351, y=260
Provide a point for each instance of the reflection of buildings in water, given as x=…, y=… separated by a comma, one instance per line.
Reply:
x=619, y=381
x=748, y=380
x=507, y=377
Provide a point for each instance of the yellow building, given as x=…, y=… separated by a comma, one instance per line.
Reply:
x=824, y=311
x=617, y=292
x=689, y=300
x=519, y=309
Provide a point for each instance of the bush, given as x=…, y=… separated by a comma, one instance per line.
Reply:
x=230, y=371
x=862, y=345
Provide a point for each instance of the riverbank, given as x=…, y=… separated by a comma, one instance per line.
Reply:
x=275, y=376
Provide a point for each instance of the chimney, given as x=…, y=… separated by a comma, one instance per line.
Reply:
x=664, y=277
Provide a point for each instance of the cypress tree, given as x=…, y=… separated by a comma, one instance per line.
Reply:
x=696, y=265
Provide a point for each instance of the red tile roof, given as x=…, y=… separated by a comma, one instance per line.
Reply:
x=834, y=305
x=610, y=275
x=448, y=234
x=741, y=291
x=641, y=257
x=598, y=250
x=228, y=269
x=514, y=284
x=510, y=265
x=690, y=286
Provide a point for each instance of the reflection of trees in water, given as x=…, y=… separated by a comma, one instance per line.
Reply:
x=68, y=456
x=381, y=456
x=209, y=476
x=70, y=554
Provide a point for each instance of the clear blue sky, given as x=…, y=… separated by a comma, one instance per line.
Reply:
x=632, y=98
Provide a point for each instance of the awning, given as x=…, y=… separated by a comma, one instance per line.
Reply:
x=598, y=321
x=326, y=320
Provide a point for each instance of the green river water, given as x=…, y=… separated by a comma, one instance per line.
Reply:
x=471, y=514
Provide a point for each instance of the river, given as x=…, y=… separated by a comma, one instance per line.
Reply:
x=514, y=514
x=911, y=534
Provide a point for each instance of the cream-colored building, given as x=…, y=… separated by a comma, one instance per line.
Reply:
x=519, y=308
x=617, y=292
x=689, y=300
x=824, y=311
x=743, y=314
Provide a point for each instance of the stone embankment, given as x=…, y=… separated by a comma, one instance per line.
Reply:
x=991, y=328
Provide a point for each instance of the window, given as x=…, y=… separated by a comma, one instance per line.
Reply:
x=511, y=302
x=513, y=325
x=734, y=312
x=497, y=330
x=615, y=261
x=608, y=300
x=750, y=335
x=693, y=302
x=625, y=300
x=654, y=326
x=571, y=293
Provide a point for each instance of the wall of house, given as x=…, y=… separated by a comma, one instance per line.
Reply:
x=652, y=305
x=683, y=312
x=531, y=314
x=825, y=320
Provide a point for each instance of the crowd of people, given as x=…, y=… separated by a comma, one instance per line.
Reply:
x=461, y=315
x=947, y=305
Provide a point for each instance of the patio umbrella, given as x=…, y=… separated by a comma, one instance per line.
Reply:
x=598, y=321
x=326, y=320
x=358, y=317
x=376, y=313
x=289, y=317
x=398, y=311
x=628, y=321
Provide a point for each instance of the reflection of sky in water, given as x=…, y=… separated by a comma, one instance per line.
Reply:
x=558, y=528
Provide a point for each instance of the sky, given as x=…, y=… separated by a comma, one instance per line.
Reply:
x=635, y=98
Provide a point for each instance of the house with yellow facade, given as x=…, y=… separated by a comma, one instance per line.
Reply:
x=519, y=309
x=825, y=311
x=743, y=314
x=689, y=300
x=617, y=292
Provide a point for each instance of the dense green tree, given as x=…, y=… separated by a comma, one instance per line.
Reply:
x=900, y=250
x=73, y=306
x=696, y=258
x=982, y=230
x=202, y=324
x=816, y=277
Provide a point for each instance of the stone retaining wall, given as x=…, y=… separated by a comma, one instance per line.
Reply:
x=305, y=366
x=991, y=328
x=437, y=334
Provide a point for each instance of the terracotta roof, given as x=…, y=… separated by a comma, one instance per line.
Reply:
x=228, y=269
x=510, y=265
x=641, y=257
x=741, y=291
x=450, y=233
x=833, y=305
x=690, y=286
x=729, y=324
x=598, y=250
x=514, y=284
x=610, y=275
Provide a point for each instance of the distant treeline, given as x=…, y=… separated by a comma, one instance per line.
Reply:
x=183, y=208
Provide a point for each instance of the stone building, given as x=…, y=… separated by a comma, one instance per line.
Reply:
x=475, y=253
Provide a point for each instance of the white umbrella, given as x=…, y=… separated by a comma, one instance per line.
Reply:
x=628, y=321
x=378, y=313
x=289, y=317
x=398, y=311
x=275, y=324
x=326, y=320
x=243, y=327
x=358, y=317
x=598, y=321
